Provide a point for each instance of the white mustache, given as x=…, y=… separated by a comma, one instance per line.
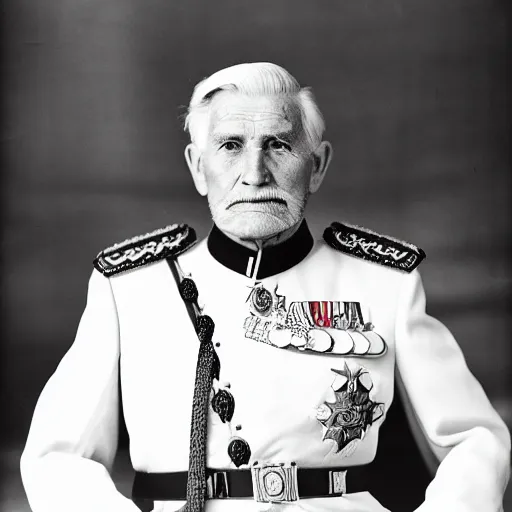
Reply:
x=260, y=198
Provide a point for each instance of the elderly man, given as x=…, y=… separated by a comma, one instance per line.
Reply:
x=257, y=366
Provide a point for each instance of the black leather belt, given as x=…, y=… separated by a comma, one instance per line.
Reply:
x=274, y=483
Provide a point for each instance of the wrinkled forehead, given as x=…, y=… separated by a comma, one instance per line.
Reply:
x=237, y=114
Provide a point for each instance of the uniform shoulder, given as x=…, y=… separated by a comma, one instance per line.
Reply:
x=144, y=249
x=368, y=245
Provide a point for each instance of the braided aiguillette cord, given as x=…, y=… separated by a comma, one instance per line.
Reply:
x=205, y=370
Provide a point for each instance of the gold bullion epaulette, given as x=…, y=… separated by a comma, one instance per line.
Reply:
x=371, y=246
x=143, y=249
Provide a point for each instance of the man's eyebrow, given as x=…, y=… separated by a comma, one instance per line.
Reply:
x=223, y=137
x=287, y=135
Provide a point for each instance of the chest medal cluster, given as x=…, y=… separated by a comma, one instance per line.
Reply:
x=321, y=326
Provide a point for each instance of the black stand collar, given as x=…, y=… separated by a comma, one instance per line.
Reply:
x=274, y=259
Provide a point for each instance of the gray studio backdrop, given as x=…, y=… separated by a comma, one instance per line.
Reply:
x=414, y=95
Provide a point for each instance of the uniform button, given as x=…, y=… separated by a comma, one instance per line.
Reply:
x=217, y=344
x=239, y=451
x=239, y=427
x=223, y=404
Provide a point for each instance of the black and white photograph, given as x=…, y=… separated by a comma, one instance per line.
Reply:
x=256, y=256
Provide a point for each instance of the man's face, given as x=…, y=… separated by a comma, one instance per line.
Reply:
x=256, y=165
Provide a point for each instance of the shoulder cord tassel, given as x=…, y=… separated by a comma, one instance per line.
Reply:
x=196, y=483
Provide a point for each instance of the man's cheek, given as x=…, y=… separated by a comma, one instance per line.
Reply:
x=218, y=196
x=215, y=182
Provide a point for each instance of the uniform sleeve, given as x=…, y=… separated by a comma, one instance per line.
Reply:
x=73, y=436
x=462, y=427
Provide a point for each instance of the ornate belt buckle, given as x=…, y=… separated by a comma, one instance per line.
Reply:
x=275, y=482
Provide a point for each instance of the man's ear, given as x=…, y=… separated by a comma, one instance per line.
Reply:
x=321, y=159
x=193, y=158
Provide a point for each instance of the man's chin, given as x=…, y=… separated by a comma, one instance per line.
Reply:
x=253, y=226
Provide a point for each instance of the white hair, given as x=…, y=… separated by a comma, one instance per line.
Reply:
x=254, y=79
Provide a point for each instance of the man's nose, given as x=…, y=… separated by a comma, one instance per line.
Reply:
x=255, y=171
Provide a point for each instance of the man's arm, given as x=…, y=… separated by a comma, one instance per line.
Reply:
x=73, y=436
x=463, y=429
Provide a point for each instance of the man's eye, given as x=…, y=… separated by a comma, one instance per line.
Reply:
x=278, y=145
x=231, y=146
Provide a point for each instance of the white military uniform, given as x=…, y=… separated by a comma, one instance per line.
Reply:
x=290, y=401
